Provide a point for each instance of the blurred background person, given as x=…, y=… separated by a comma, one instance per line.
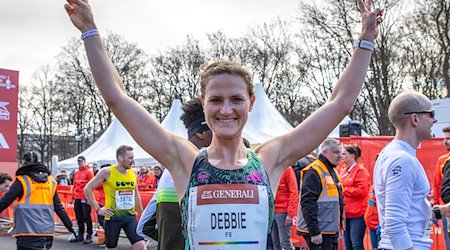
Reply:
x=81, y=207
x=146, y=180
x=157, y=171
x=437, y=183
x=34, y=190
x=371, y=219
x=286, y=201
x=356, y=183
x=95, y=168
x=5, y=182
x=320, y=214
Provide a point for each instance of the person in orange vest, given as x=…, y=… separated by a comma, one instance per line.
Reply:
x=437, y=184
x=36, y=202
x=356, y=182
x=146, y=180
x=320, y=217
x=82, y=208
x=443, y=171
x=5, y=182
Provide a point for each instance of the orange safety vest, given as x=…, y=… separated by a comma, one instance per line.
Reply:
x=34, y=211
x=328, y=202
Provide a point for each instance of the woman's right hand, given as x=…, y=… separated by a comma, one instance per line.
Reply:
x=80, y=14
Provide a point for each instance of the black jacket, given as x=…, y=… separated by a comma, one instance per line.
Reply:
x=311, y=187
x=39, y=173
x=445, y=188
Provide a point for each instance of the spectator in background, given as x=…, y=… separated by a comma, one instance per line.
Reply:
x=300, y=165
x=286, y=201
x=95, y=168
x=100, y=197
x=437, y=184
x=356, y=183
x=34, y=190
x=62, y=178
x=320, y=215
x=371, y=219
x=146, y=180
x=81, y=207
x=5, y=182
x=158, y=170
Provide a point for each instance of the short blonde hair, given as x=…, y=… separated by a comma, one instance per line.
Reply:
x=226, y=67
x=405, y=102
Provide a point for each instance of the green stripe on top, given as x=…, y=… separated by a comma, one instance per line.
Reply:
x=166, y=194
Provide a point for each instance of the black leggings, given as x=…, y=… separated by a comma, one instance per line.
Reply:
x=34, y=242
x=83, y=215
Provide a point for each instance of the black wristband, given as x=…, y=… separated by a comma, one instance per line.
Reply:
x=437, y=212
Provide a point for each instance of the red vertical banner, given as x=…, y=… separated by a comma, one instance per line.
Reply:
x=9, y=94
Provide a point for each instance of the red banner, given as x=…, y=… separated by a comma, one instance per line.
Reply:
x=9, y=92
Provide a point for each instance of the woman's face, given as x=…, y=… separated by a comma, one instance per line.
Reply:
x=347, y=158
x=226, y=105
x=157, y=172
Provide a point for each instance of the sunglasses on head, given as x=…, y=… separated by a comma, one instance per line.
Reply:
x=431, y=112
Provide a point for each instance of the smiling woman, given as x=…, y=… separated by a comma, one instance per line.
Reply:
x=227, y=95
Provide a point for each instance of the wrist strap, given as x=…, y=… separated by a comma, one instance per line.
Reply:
x=364, y=44
x=88, y=33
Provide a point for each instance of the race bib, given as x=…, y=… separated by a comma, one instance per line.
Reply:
x=228, y=216
x=125, y=199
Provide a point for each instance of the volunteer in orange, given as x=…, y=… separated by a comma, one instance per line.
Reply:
x=356, y=182
x=437, y=184
x=36, y=202
x=320, y=214
x=146, y=180
x=286, y=201
x=82, y=209
x=371, y=219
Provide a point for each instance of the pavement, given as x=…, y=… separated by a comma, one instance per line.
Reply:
x=61, y=242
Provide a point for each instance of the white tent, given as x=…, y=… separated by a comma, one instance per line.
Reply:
x=104, y=149
x=264, y=121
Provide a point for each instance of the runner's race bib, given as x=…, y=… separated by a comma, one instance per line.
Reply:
x=228, y=216
x=125, y=199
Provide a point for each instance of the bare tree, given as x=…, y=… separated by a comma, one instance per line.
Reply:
x=77, y=94
x=427, y=47
x=328, y=33
x=175, y=74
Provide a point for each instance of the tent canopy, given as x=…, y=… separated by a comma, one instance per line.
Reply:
x=104, y=149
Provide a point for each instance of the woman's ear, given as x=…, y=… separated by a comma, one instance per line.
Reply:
x=252, y=102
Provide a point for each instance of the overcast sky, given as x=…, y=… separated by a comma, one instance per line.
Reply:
x=33, y=32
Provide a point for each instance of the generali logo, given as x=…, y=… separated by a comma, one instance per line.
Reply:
x=227, y=194
x=3, y=143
